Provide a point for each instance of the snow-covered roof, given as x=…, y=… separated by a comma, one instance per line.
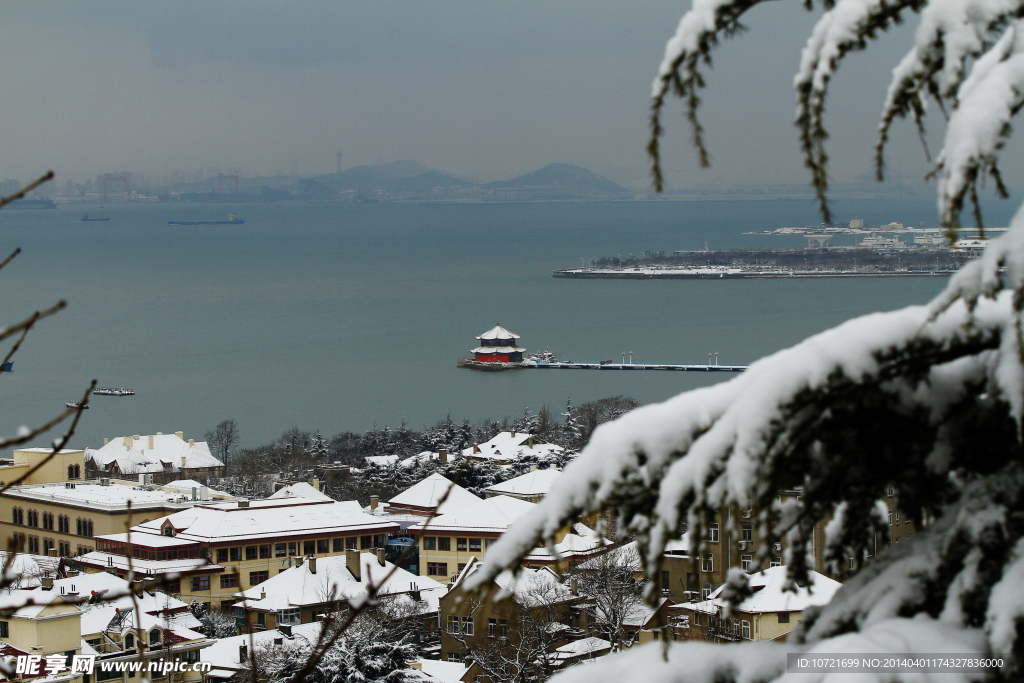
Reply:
x=579, y=543
x=26, y=570
x=512, y=446
x=420, y=458
x=425, y=494
x=584, y=647
x=266, y=519
x=769, y=597
x=299, y=586
x=29, y=603
x=300, y=489
x=381, y=460
x=445, y=672
x=114, y=496
x=529, y=587
x=140, y=454
x=535, y=483
x=225, y=652
x=101, y=560
x=186, y=486
x=498, y=332
x=113, y=592
x=489, y=515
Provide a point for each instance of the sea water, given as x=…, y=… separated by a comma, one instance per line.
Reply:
x=342, y=316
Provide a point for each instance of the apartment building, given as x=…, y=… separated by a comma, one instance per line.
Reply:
x=64, y=519
x=226, y=547
x=38, y=467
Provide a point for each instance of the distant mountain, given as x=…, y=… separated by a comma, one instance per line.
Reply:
x=372, y=177
x=569, y=179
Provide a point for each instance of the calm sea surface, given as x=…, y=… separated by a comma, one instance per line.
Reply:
x=342, y=316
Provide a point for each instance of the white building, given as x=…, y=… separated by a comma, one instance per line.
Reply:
x=532, y=486
x=508, y=447
x=156, y=454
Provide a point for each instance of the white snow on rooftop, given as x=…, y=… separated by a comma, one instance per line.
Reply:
x=152, y=453
x=770, y=597
x=427, y=493
x=445, y=672
x=300, y=489
x=535, y=483
x=512, y=446
x=224, y=653
x=115, y=495
x=492, y=514
x=498, y=332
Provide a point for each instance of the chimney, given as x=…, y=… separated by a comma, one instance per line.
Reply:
x=529, y=442
x=513, y=435
x=150, y=442
x=105, y=441
x=380, y=556
x=442, y=455
x=136, y=437
x=159, y=433
x=298, y=561
x=180, y=435
x=183, y=460
x=204, y=493
x=243, y=503
x=142, y=480
x=316, y=484
x=352, y=563
x=127, y=442
x=193, y=493
x=47, y=583
x=285, y=629
x=312, y=564
x=243, y=653
x=52, y=552
x=476, y=449
x=374, y=500
x=191, y=443
x=553, y=466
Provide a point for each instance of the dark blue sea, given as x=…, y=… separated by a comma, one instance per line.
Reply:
x=343, y=316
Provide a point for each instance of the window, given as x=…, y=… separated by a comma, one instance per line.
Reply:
x=256, y=578
x=783, y=617
x=351, y=543
x=250, y=552
x=430, y=543
x=171, y=586
x=309, y=548
x=713, y=533
x=851, y=563
x=64, y=549
x=745, y=630
x=889, y=516
x=5, y=630
x=200, y=583
x=454, y=657
x=48, y=521
x=323, y=546
x=462, y=565
x=261, y=619
x=339, y=545
x=154, y=637
x=281, y=550
x=474, y=545
x=64, y=524
x=88, y=528
x=492, y=627
x=47, y=544
x=437, y=569
x=453, y=624
x=378, y=540
x=776, y=562
x=16, y=516
x=444, y=543
x=33, y=545
x=696, y=618
x=897, y=513
x=222, y=554
x=747, y=532
x=129, y=641
x=467, y=625
x=489, y=541
x=289, y=616
x=707, y=563
x=293, y=549
x=71, y=471
x=236, y=554
x=666, y=580
x=365, y=542
x=746, y=561
x=460, y=545
x=705, y=591
x=264, y=552
x=228, y=580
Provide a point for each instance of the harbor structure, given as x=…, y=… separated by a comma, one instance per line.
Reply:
x=498, y=345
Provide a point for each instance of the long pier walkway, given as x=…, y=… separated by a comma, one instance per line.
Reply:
x=677, y=367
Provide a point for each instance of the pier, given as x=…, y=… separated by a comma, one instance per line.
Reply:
x=676, y=367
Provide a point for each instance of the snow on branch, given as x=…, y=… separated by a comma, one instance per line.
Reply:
x=697, y=34
x=846, y=27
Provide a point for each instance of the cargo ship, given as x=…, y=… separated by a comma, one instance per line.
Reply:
x=233, y=219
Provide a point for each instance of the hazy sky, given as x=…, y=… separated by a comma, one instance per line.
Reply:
x=485, y=90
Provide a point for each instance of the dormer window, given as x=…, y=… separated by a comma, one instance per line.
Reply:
x=154, y=637
x=168, y=530
x=129, y=641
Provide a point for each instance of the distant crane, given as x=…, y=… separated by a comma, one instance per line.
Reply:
x=81, y=191
x=220, y=181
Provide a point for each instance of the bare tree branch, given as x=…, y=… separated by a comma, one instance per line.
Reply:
x=25, y=190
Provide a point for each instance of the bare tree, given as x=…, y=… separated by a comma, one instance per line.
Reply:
x=613, y=593
x=222, y=440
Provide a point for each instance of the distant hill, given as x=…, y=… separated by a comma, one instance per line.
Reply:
x=430, y=182
x=571, y=180
x=367, y=178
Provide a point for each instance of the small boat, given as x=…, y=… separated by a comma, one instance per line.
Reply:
x=74, y=404
x=7, y=367
x=104, y=391
x=86, y=219
x=233, y=219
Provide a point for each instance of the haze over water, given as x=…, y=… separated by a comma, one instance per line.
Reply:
x=340, y=316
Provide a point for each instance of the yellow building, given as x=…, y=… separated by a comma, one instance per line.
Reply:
x=40, y=622
x=66, y=465
x=63, y=519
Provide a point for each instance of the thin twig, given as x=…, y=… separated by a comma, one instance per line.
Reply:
x=33, y=319
x=11, y=257
x=25, y=190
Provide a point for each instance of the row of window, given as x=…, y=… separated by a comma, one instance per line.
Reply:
x=21, y=517
x=36, y=546
x=320, y=546
x=746, y=532
x=462, y=545
x=202, y=583
x=707, y=562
